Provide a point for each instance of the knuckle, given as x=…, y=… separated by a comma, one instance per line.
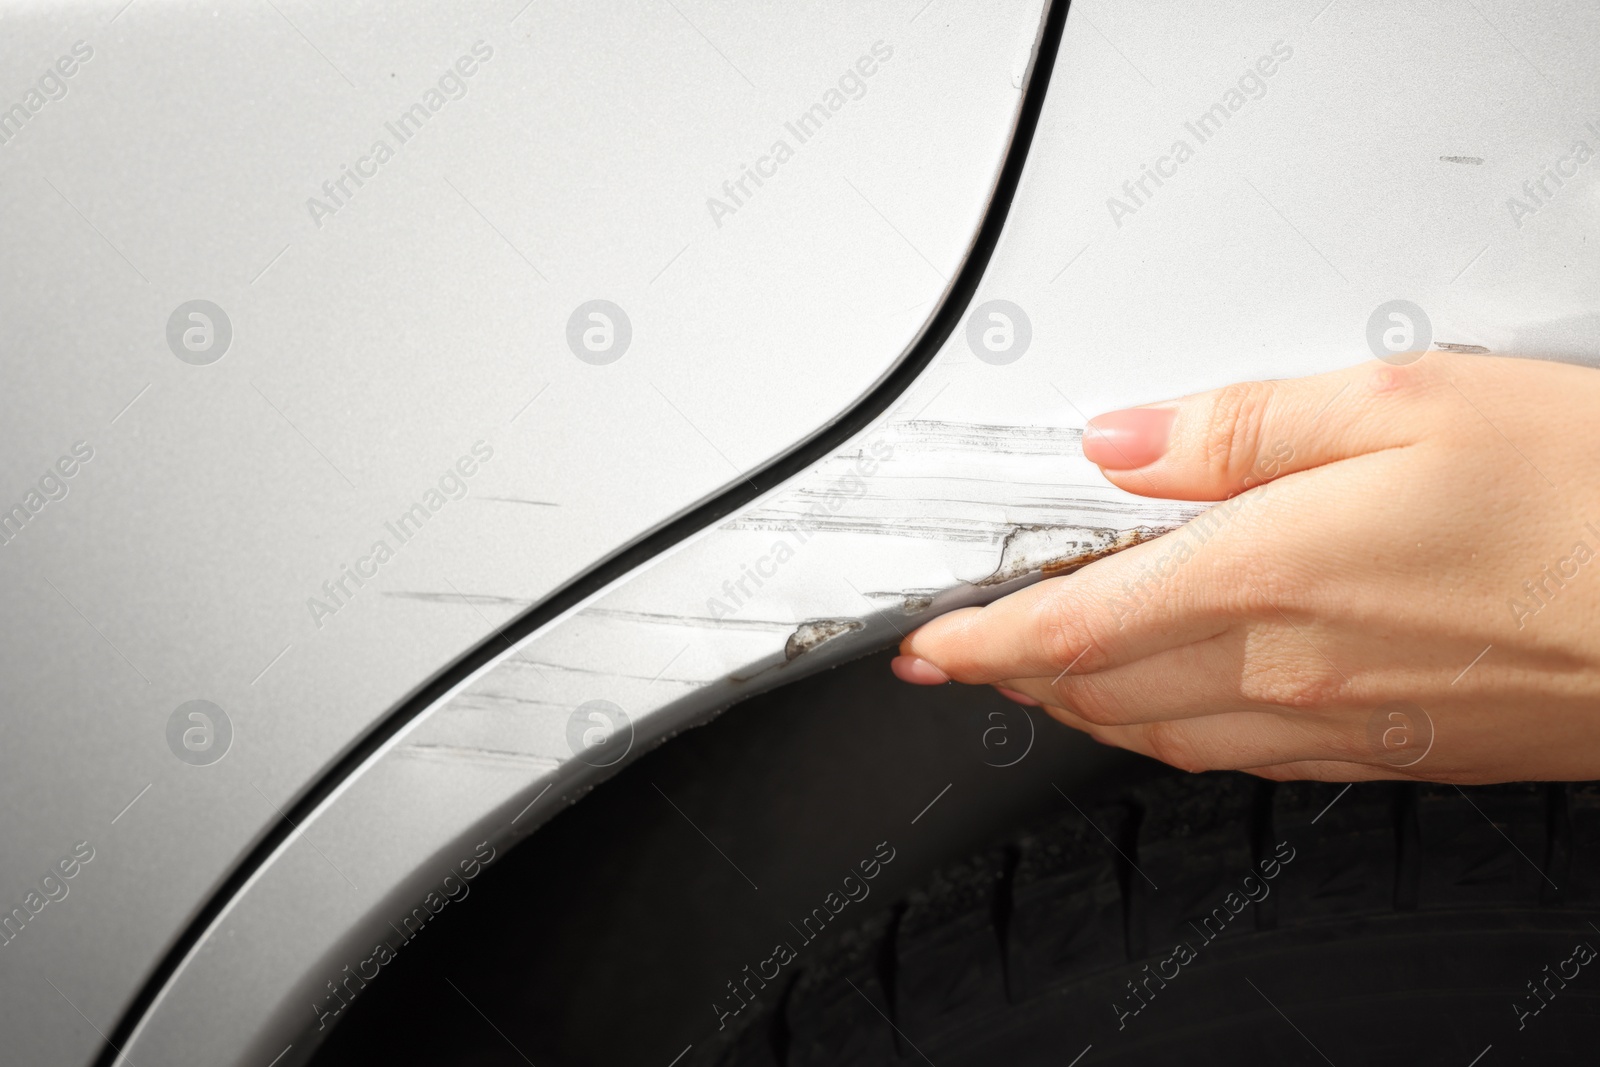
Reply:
x=1234, y=431
x=1064, y=639
x=1410, y=380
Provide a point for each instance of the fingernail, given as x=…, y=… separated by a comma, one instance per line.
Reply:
x=917, y=671
x=1021, y=698
x=1133, y=437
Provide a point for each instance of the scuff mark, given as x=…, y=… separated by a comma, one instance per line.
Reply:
x=475, y=754
x=539, y=666
x=1053, y=550
x=973, y=530
x=457, y=598
x=496, y=700
x=978, y=511
x=520, y=500
x=787, y=517
x=1471, y=350
x=814, y=632
x=1476, y=161
x=936, y=435
x=656, y=618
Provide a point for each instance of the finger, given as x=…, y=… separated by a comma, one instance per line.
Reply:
x=917, y=671
x=1233, y=741
x=1179, y=683
x=1085, y=622
x=1328, y=771
x=1261, y=668
x=1214, y=445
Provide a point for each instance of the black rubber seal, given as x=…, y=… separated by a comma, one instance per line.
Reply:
x=649, y=545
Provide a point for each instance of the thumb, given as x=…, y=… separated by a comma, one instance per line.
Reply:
x=1214, y=445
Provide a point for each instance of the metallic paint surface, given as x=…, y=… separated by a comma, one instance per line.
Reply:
x=371, y=348
x=1263, y=257
x=375, y=351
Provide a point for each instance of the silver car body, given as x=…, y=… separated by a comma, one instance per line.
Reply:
x=596, y=529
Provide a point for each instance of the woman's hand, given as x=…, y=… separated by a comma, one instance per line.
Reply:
x=1401, y=582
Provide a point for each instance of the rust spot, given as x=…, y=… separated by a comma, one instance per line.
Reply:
x=1053, y=550
x=814, y=632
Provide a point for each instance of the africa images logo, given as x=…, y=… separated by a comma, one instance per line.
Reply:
x=199, y=332
x=1400, y=734
x=52, y=86
x=599, y=733
x=199, y=733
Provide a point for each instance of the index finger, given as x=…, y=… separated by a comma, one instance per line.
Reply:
x=1117, y=610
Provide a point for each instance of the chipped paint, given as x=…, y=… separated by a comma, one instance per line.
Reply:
x=814, y=632
x=1054, y=550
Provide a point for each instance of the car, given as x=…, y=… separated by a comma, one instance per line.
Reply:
x=418, y=419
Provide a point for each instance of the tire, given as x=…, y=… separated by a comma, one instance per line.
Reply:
x=1379, y=923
